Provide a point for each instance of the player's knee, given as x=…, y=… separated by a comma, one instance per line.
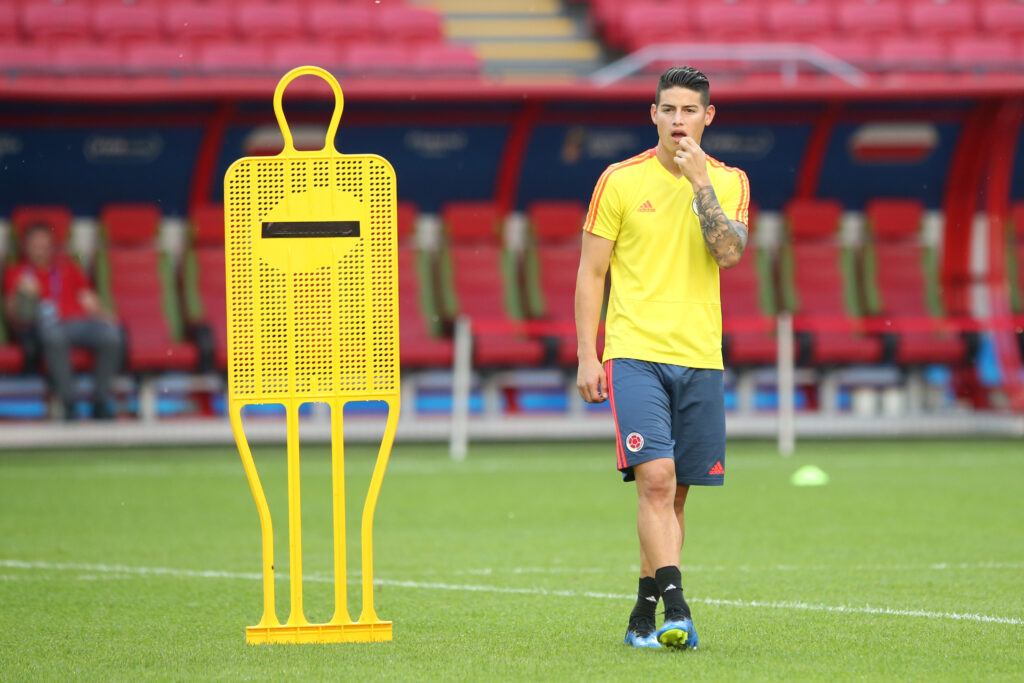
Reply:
x=657, y=483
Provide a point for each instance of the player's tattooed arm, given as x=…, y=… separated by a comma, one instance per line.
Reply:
x=725, y=238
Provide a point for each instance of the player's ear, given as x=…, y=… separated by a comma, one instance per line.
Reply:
x=654, y=114
x=709, y=114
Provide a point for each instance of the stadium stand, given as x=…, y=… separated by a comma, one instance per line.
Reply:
x=8, y=22
x=269, y=21
x=886, y=35
x=550, y=264
x=50, y=23
x=196, y=24
x=233, y=38
x=340, y=22
x=791, y=21
x=420, y=342
x=478, y=280
x=138, y=282
x=818, y=286
x=901, y=280
x=145, y=59
x=126, y=24
x=408, y=25
x=1004, y=18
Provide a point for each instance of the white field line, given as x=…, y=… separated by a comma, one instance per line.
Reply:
x=935, y=566
x=471, y=588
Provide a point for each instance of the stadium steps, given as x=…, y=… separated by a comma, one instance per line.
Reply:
x=541, y=39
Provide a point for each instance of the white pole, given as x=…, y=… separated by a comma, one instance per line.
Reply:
x=462, y=367
x=786, y=374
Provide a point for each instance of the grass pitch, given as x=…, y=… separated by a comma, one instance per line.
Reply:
x=520, y=563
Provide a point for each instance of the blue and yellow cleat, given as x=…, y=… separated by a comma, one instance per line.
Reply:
x=679, y=634
x=633, y=639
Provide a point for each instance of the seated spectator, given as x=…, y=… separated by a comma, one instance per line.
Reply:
x=47, y=294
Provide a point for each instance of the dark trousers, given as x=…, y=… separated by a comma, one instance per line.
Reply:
x=58, y=337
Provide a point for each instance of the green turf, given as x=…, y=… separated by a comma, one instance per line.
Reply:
x=546, y=532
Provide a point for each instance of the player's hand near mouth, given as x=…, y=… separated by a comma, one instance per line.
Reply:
x=691, y=160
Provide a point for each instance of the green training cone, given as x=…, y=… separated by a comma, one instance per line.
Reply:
x=809, y=475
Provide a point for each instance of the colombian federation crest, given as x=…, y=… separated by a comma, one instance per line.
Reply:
x=634, y=442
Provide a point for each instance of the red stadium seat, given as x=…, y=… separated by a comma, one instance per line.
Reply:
x=926, y=18
x=329, y=21
x=987, y=54
x=554, y=222
x=24, y=58
x=789, y=21
x=650, y=23
x=130, y=225
x=446, y=59
x=407, y=24
x=857, y=51
x=198, y=23
x=51, y=23
x=288, y=55
x=376, y=58
x=729, y=21
x=233, y=58
x=406, y=214
x=11, y=358
x=912, y=54
x=269, y=22
x=552, y=262
x=479, y=283
x=140, y=285
x=160, y=58
x=8, y=24
x=127, y=23
x=856, y=18
x=817, y=290
x=1002, y=18
x=88, y=59
x=900, y=284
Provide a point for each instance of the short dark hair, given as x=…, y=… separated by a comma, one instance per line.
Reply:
x=684, y=77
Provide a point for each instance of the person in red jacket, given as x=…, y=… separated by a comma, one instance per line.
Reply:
x=48, y=294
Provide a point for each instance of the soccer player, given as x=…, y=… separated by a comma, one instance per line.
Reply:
x=47, y=294
x=665, y=222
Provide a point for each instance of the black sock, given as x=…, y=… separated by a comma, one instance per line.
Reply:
x=670, y=585
x=646, y=602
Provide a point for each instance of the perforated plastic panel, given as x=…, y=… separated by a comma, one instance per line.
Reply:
x=312, y=308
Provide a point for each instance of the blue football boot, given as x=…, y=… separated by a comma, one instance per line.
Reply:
x=678, y=633
x=641, y=634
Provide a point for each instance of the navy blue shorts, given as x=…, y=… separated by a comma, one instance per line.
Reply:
x=668, y=411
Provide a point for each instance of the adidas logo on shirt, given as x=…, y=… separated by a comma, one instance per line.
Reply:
x=646, y=207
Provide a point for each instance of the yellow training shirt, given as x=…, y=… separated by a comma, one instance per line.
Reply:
x=665, y=305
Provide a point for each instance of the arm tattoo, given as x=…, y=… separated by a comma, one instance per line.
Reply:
x=725, y=238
